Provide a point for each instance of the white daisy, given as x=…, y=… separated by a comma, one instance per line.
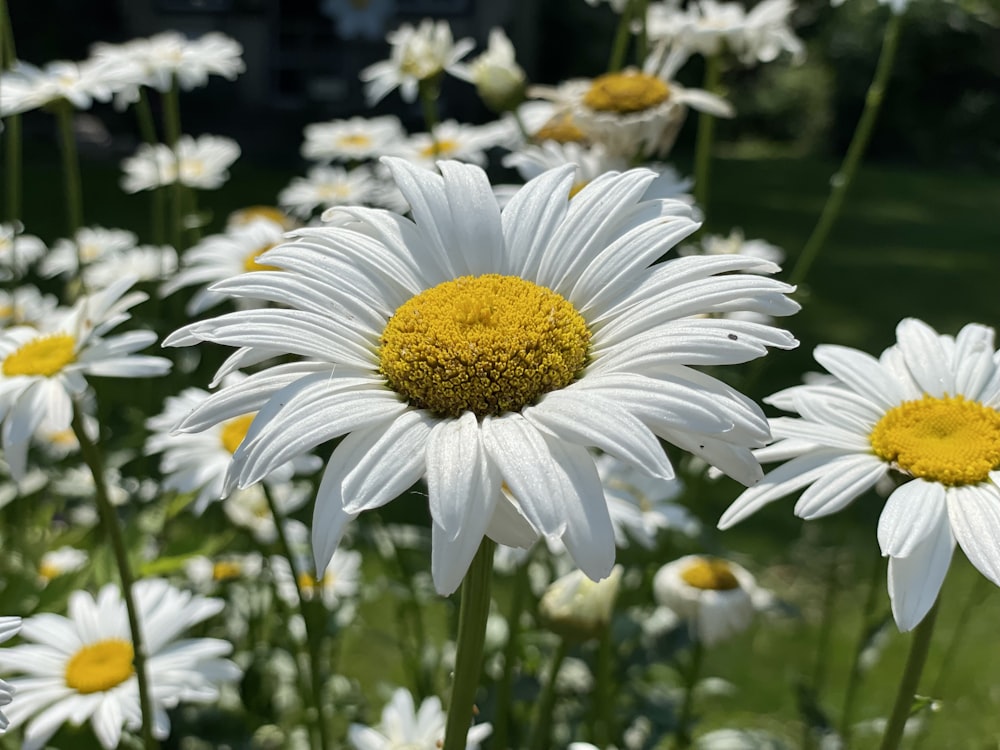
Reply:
x=927, y=412
x=715, y=597
x=208, y=574
x=248, y=508
x=578, y=341
x=498, y=79
x=9, y=627
x=325, y=187
x=197, y=462
x=250, y=214
x=79, y=667
x=452, y=140
x=222, y=256
x=735, y=243
x=145, y=263
x=43, y=369
x=576, y=607
x=57, y=562
x=26, y=87
x=356, y=139
x=25, y=306
x=340, y=581
x=417, y=54
x=201, y=162
x=405, y=726
x=88, y=245
x=18, y=251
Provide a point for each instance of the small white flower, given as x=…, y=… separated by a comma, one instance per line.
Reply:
x=355, y=139
x=577, y=607
x=340, y=581
x=79, y=668
x=201, y=162
x=325, y=187
x=207, y=574
x=18, y=251
x=60, y=561
x=25, y=306
x=248, y=509
x=145, y=263
x=88, y=245
x=417, y=54
x=405, y=726
x=453, y=140
x=25, y=87
x=498, y=78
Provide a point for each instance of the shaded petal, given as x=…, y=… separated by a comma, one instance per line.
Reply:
x=974, y=512
x=861, y=372
x=847, y=479
x=531, y=217
x=926, y=357
x=911, y=514
x=915, y=581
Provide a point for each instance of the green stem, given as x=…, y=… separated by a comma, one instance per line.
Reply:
x=505, y=689
x=623, y=33
x=547, y=700
x=313, y=641
x=429, y=90
x=641, y=38
x=604, y=692
x=472, y=614
x=842, y=180
x=706, y=134
x=919, y=647
x=826, y=626
x=109, y=518
x=13, y=146
x=172, y=134
x=682, y=732
x=71, y=168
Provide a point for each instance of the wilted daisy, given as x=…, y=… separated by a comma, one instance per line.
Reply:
x=17, y=250
x=355, y=139
x=222, y=256
x=197, y=462
x=716, y=597
x=404, y=725
x=9, y=627
x=325, y=187
x=43, y=369
x=88, y=245
x=509, y=343
x=924, y=413
x=498, y=79
x=201, y=162
x=57, y=562
x=79, y=668
x=418, y=54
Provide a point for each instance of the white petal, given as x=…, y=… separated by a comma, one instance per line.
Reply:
x=974, y=512
x=531, y=216
x=329, y=518
x=926, y=357
x=911, y=514
x=475, y=228
x=847, y=478
x=861, y=372
x=915, y=581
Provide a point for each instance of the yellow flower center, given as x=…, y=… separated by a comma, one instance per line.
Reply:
x=577, y=187
x=100, y=666
x=626, y=92
x=46, y=356
x=226, y=570
x=250, y=262
x=710, y=574
x=948, y=440
x=234, y=431
x=560, y=129
x=251, y=213
x=354, y=140
x=48, y=571
x=486, y=344
x=444, y=147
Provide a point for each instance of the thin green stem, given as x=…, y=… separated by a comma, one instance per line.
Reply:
x=619, y=47
x=604, y=691
x=109, y=518
x=915, y=660
x=13, y=151
x=641, y=37
x=682, y=732
x=826, y=626
x=472, y=614
x=71, y=167
x=313, y=639
x=428, y=91
x=706, y=134
x=505, y=689
x=547, y=700
x=172, y=134
x=842, y=180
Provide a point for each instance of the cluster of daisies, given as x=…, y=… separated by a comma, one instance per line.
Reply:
x=538, y=360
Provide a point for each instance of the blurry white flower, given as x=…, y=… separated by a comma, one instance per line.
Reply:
x=715, y=596
x=355, y=139
x=145, y=263
x=897, y=6
x=498, y=79
x=576, y=607
x=339, y=581
x=60, y=561
x=25, y=87
x=325, y=187
x=736, y=244
x=9, y=627
x=417, y=54
x=248, y=509
x=451, y=140
x=201, y=162
x=739, y=739
x=88, y=245
x=404, y=726
x=208, y=573
x=79, y=668
x=17, y=250
x=25, y=305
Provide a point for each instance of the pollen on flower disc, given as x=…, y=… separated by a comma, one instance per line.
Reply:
x=234, y=431
x=44, y=356
x=951, y=440
x=710, y=574
x=100, y=666
x=486, y=344
x=626, y=92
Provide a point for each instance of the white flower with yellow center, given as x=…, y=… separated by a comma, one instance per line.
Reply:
x=201, y=162
x=145, y=263
x=453, y=140
x=9, y=627
x=18, y=251
x=79, y=668
x=208, y=574
x=89, y=245
x=248, y=508
x=26, y=87
x=735, y=243
x=405, y=727
x=57, y=562
x=417, y=54
x=25, y=306
x=43, y=369
x=479, y=350
x=715, y=597
x=325, y=187
x=356, y=139
x=927, y=412
x=340, y=580
x=197, y=462
x=223, y=256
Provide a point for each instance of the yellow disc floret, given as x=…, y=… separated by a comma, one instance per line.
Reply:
x=949, y=440
x=250, y=262
x=486, y=344
x=44, y=356
x=710, y=574
x=100, y=666
x=630, y=91
x=560, y=129
x=234, y=431
x=226, y=570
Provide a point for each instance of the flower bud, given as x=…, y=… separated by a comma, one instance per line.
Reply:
x=578, y=608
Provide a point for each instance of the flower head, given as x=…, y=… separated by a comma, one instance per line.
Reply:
x=927, y=414
x=498, y=78
x=576, y=607
x=79, y=667
x=18, y=251
x=405, y=726
x=486, y=352
x=201, y=162
x=356, y=139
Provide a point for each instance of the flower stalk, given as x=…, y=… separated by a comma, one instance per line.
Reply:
x=547, y=700
x=706, y=133
x=682, y=732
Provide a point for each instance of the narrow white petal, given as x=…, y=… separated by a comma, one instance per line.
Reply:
x=530, y=218
x=847, y=478
x=329, y=518
x=915, y=581
x=911, y=514
x=821, y=434
x=861, y=372
x=974, y=350
x=475, y=228
x=926, y=357
x=974, y=512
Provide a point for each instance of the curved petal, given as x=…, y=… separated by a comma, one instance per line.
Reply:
x=476, y=230
x=926, y=357
x=861, y=372
x=911, y=514
x=915, y=581
x=531, y=217
x=846, y=479
x=974, y=512
x=329, y=518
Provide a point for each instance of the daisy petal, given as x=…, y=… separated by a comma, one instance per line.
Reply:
x=911, y=514
x=915, y=581
x=974, y=512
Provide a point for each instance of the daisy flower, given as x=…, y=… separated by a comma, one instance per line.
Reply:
x=18, y=251
x=145, y=263
x=717, y=598
x=341, y=579
x=9, y=627
x=58, y=562
x=222, y=256
x=498, y=79
x=206, y=573
x=88, y=245
x=248, y=508
x=418, y=54
x=26, y=87
x=25, y=306
x=454, y=140
x=201, y=162
x=735, y=243
x=925, y=413
x=42, y=370
x=576, y=607
x=324, y=187
x=79, y=667
x=356, y=139
x=403, y=725
x=506, y=342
